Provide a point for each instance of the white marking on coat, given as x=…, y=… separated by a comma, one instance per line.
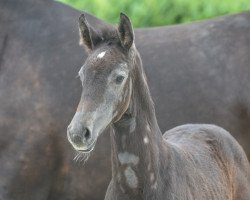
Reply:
x=131, y=177
x=146, y=140
x=100, y=55
x=128, y=158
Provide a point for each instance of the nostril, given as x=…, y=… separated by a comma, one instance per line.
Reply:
x=87, y=133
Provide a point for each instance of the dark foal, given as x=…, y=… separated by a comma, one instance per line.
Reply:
x=186, y=163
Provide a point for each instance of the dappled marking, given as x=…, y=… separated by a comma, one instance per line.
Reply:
x=128, y=158
x=131, y=177
x=146, y=140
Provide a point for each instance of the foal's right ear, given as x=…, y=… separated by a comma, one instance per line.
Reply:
x=125, y=31
x=88, y=36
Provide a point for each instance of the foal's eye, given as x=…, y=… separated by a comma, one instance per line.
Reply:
x=119, y=79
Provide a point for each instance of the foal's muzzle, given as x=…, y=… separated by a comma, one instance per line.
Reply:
x=80, y=137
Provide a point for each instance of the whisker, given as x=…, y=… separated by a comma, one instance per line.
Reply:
x=77, y=157
x=85, y=158
x=82, y=157
x=74, y=158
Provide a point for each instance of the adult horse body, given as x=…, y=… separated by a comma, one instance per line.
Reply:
x=195, y=64
x=188, y=162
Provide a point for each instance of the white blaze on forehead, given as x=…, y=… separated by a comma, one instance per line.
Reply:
x=100, y=55
x=128, y=158
x=131, y=177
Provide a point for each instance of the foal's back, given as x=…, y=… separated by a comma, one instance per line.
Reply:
x=206, y=163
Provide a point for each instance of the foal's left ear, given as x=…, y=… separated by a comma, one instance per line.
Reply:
x=125, y=31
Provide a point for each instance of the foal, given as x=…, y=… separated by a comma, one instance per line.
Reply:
x=201, y=162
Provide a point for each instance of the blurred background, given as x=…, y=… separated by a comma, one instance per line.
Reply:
x=147, y=13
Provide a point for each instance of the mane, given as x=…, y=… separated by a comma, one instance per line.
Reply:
x=141, y=93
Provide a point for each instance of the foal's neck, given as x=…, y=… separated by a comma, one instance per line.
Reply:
x=136, y=141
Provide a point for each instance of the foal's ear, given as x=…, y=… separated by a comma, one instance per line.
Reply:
x=125, y=31
x=88, y=36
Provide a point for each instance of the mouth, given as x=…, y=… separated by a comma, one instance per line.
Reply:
x=88, y=150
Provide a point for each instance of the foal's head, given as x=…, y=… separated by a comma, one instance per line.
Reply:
x=106, y=82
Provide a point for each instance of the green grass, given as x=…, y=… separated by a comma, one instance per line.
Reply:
x=146, y=13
